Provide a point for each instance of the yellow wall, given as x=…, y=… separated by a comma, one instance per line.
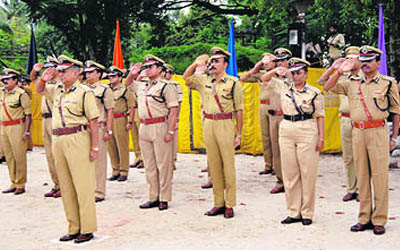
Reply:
x=251, y=138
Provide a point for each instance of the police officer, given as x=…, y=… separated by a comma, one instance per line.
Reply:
x=75, y=149
x=282, y=57
x=15, y=129
x=47, y=131
x=221, y=95
x=124, y=109
x=157, y=107
x=371, y=98
x=167, y=73
x=301, y=138
x=254, y=75
x=105, y=104
x=346, y=128
x=335, y=43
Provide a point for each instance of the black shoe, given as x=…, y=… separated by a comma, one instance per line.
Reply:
x=113, y=177
x=122, y=178
x=378, y=230
x=266, y=171
x=69, y=237
x=2, y=159
x=84, y=237
x=306, y=222
x=9, y=190
x=163, y=205
x=361, y=227
x=290, y=220
x=149, y=204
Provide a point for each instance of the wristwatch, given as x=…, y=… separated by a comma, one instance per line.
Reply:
x=109, y=132
x=27, y=133
x=95, y=149
x=394, y=139
x=171, y=132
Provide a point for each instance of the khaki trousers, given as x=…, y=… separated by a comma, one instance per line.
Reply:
x=77, y=180
x=298, y=141
x=274, y=122
x=15, y=151
x=157, y=157
x=265, y=135
x=47, y=132
x=219, y=136
x=346, y=129
x=135, y=137
x=371, y=160
x=118, y=147
x=101, y=165
x=1, y=145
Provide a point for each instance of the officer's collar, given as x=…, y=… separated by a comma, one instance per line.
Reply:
x=71, y=89
x=9, y=92
x=303, y=90
x=373, y=79
x=117, y=87
x=224, y=79
x=94, y=85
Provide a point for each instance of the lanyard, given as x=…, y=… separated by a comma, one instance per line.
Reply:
x=5, y=108
x=216, y=96
x=363, y=102
x=61, y=113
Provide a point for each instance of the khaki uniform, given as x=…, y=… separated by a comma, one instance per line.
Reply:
x=219, y=135
x=179, y=93
x=154, y=101
x=371, y=156
x=18, y=105
x=47, y=132
x=346, y=129
x=275, y=118
x=104, y=101
x=74, y=108
x=298, y=141
x=118, y=146
x=135, y=127
x=335, y=51
x=264, y=120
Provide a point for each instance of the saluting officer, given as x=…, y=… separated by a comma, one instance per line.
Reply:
x=254, y=75
x=346, y=127
x=15, y=129
x=371, y=98
x=301, y=138
x=282, y=57
x=105, y=104
x=75, y=149
x=124, y=109
x=222, y=96
x=157, y=107
x=47, y=131
x=167, y=73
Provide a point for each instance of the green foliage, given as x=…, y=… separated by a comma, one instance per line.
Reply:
x=182, y=56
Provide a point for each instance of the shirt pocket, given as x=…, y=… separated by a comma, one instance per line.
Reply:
x=13, y=103
x=381, y=100
x=73, y=107
x=307, y=105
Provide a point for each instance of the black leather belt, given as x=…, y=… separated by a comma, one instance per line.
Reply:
x=46, y=115
x=298, y=117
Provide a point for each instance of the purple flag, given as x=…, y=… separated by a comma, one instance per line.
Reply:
x=381, y=42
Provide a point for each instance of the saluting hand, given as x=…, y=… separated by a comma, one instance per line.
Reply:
x=282, y=71
x=338, y=62
x=38, y=67
x=49, y=74
x=202, y=59
x=135, y=69
x=346, y=66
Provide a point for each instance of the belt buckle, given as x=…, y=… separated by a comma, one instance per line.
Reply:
x=55, y=132
x=292, y=118
x=214, y=116
x=361, y=125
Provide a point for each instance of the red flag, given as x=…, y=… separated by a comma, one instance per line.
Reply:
x=118, y=60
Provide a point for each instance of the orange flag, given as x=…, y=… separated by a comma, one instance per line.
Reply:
x=118, y=60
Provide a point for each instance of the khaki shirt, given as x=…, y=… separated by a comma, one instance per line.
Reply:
x=17, y=104
x=47, y=105
x=124, y=99
x=309, y=99
x=228, y=89
x=338, y=41
x=179, y=91
x=275, y=96
x=28, y=90
x=104, y=99
x=379, y=98
x=73, y=107
x=264, y=93
x=156, y=98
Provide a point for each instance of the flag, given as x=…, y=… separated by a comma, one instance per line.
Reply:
x=32, y=56
x=381, y=43
x=232, y=67
x=118, y=60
